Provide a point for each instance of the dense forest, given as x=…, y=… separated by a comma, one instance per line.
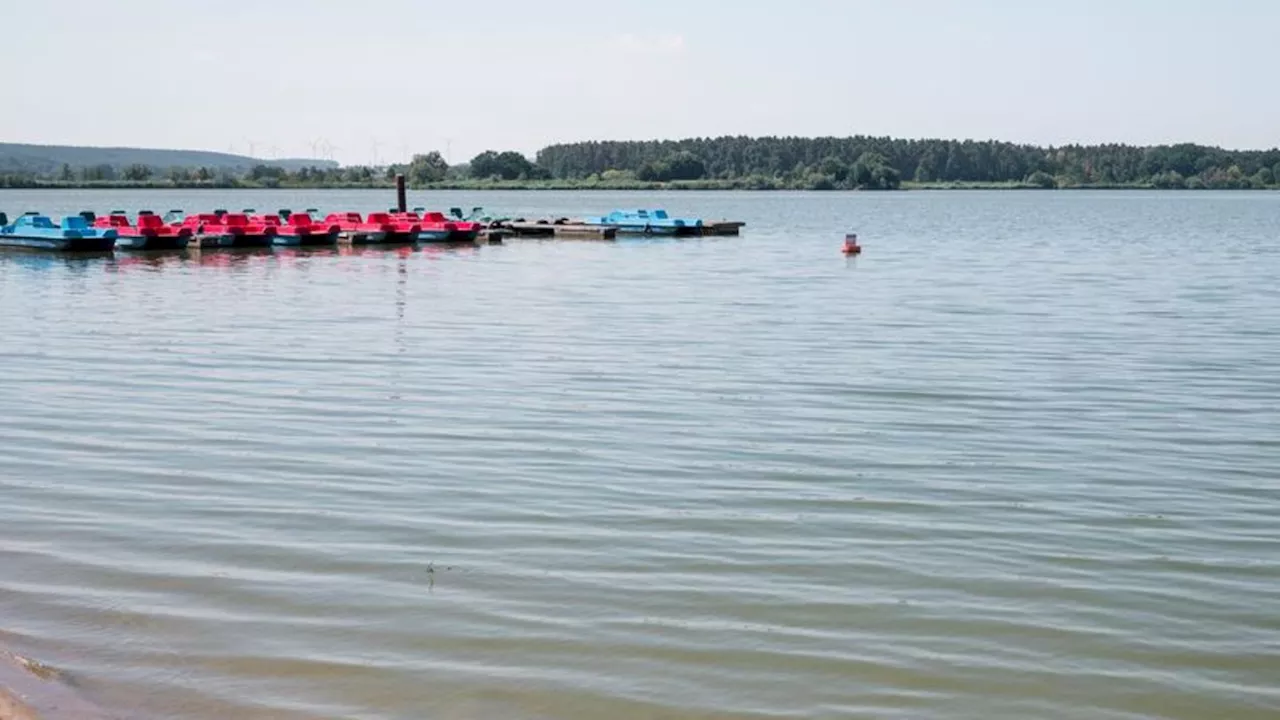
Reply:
x=865, y=163
x=882, y=162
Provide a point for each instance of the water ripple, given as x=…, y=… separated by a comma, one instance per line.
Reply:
x=1016, y=460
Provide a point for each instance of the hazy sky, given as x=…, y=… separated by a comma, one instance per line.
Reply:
x=378, y=79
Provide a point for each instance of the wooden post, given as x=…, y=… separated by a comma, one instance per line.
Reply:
x=400, y=199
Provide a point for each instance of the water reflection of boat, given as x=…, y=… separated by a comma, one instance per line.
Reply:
x=379, y=249
x=152, y=262
x=237, y=257
x=297, y=252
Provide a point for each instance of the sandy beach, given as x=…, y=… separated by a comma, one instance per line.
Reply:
x=12, y=704
x=31, y=691
x=13, y=709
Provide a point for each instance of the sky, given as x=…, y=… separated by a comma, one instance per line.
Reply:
x=374, y=81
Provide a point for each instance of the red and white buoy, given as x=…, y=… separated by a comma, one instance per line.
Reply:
x=851, y=246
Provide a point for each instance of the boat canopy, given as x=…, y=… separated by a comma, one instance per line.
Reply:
x=35, y=221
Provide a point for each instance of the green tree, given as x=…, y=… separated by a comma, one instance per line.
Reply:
x=684, y=165
x=653, y=171
x=834, y=168
x=137, y=172
x=617, y=176
x=871, y=171
x=791, y=160
x=819, y=181
x=262, y=172
x=507, y=165
x=1042, y=179
x=426, y=169
x=66, y=175
x=98, y=173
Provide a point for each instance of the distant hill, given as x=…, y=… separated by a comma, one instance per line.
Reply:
x=49, y=159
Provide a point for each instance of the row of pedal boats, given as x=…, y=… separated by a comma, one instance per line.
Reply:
x=176, y=230
x=647, y=222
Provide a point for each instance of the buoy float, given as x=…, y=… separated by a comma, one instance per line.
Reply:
x=851, y=246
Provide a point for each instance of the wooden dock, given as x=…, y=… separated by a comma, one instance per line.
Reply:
x=562, y=229
x=723, y=227
x=495, y=235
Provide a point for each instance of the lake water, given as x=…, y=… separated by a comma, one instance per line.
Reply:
x=1020, y=459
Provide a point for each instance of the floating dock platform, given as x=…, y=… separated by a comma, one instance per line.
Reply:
x=723, y=227
x=561, y=228
x=569, y=229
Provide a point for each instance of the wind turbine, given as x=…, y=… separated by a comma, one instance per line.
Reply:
x=327, y=148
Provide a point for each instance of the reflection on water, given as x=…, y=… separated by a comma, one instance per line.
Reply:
x=159, y=260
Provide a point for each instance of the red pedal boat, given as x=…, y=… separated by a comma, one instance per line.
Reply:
x=435, y=227
x=223, y=229
x=300, y=229
x=378, y=228
x=148, y=233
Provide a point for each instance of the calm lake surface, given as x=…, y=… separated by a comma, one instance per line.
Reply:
x=1021, y=459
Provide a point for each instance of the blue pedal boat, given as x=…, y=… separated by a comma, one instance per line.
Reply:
x=37, y=232
x=647, y=222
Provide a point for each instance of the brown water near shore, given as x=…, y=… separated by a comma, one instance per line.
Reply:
x=30, y=690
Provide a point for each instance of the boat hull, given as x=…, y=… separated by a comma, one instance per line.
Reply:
x=307, y=240
x=399, y=237
x=625, y=228
x=138, y=242
x=56, y=244
x=382, y=238
x=433, y=236
x=211, y=240
x=462, y=236
x=251, y=240
x=448, y=236
x=359, y=237
x=647, y=230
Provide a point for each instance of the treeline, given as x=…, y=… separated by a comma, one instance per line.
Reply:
x=430, y=169
x=257, y=176
x=882, y=162
x=736, y=163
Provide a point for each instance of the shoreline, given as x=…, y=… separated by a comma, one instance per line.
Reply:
x=30, y=690
x=570, y=186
